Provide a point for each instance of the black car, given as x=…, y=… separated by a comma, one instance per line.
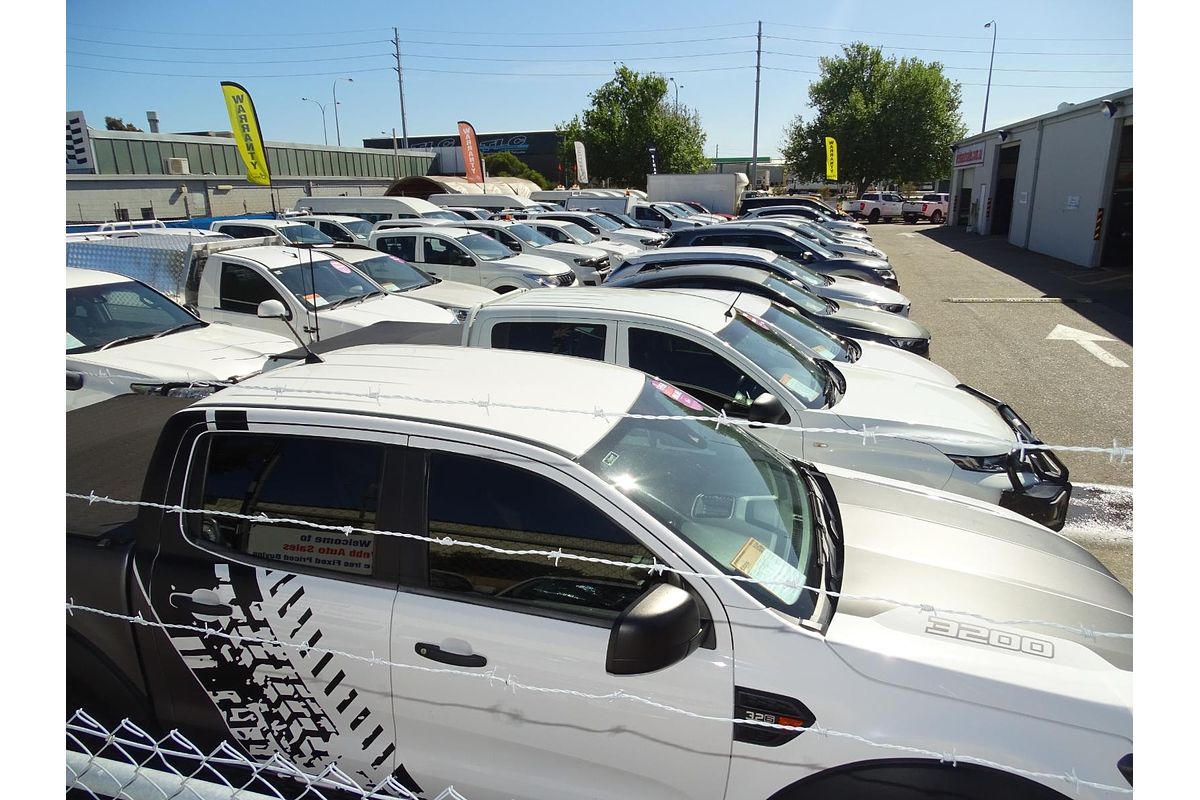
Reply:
x=846, y=320
x=791, y=245
x=751, y=203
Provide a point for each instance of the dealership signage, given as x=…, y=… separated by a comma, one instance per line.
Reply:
x=968, y=156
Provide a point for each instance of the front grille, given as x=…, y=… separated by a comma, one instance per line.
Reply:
x=565, y=279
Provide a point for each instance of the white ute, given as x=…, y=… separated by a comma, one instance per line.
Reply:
x=122, y=337
x=590, y=264
x=792, y=643
x=902, y=427
x=229, y=281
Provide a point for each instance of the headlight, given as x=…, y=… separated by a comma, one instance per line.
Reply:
x=183, y=390
x=460, y=314
x=887, y=274
x=919, y=346
x=542, y=280
x=895, y=308
x=997, y=463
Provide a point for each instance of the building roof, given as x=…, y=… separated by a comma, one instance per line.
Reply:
x=1064, y=109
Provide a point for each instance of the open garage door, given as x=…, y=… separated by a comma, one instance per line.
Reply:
x=1118, y=238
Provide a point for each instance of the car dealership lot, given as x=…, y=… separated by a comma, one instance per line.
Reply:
x=1053, y=340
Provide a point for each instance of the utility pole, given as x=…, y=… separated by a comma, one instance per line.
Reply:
x=992, y=60
x=400, y=80
x=757, y=82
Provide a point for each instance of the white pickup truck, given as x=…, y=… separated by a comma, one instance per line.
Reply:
x=227, y=281
x=876, y=206
x=934, y=207
x=124, y=337
x=645, y=603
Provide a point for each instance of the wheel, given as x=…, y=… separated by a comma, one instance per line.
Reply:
x=874, y=216
x=910, y=218
x=936, y=217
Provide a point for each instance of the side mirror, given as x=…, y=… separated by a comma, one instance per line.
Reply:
x=660, y=628
x=273, y=309
x=74, y=381
x=767, y=408
x=806, y=256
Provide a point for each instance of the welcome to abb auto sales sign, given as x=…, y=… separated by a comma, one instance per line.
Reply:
x=969, y=156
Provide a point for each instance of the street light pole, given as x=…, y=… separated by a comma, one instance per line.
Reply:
x=988, y=96
x=337, y=124
x=677, y=88
x=324, y=128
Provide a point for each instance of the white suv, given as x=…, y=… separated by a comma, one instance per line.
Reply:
x=590, y=264
x=458, y=254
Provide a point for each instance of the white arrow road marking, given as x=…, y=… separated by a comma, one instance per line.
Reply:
x=908, y=235
x=1088, y=342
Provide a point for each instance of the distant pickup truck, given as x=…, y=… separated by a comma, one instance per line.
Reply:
x=874, y=206
x=933, y=207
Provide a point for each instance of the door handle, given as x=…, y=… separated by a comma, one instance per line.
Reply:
x=435, y=653
x=202, y=601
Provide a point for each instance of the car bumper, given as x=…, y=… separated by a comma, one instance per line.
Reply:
x=1047, y=497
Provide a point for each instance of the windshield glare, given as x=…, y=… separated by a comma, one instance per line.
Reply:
x=302, y=233
x=736, y=501
x=485, y=247
x=394, y=274
x=360, y=228
x=777, y=356
x=604, y=222
x=806, y=332
x=580, y=235
x=450, y=215
x=530, y=235
x=797, y=271
x=322, y=283
x=805, y=301
x=98, y=315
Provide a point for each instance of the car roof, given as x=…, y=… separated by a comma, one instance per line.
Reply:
x=265, y=223
x=714, y=269
x=452, y=230
x=553, y=223
x=455, y=386
x=78, y=277
x=275, y=256
x=699, y=312
x=327, y=218
x=706, y=252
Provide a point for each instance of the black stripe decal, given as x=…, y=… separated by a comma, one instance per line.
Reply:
x=325, y=659
x=230, y=421
x=374, y=735
x=283, y=610
x=358, y=720
x=384, y=756
x=342, y=706
x=285, y=579
x=333, y=684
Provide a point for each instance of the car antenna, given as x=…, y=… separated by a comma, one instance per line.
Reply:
x=729, y=311
x=312, y=276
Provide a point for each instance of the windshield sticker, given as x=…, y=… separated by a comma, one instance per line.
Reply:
x=762, y=323
x=678, y=395
x=389, y=286
x=340, y=267
x=610, y=459
x=315, y=299
x=72, y=342
x=397, y=260
x=800, y=388
x=755, y=561
x=351, y=554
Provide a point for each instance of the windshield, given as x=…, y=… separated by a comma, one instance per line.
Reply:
x=302, y=233
x=101, y=316
x=797, y=296
x=737, y=502
x=325, y=282
x=394, y=274
x=779, y=357
x=577, y=233
x=798, y=272
x=628, y=221
x=485, y=247
x=450, y=215
x=360, y=228
x=529, y=235
x=668, y=210
x=684, y=211
x=823, y=343
x=604, y=222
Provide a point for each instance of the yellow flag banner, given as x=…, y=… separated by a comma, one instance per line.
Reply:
x=246, y=133
x=830, y=158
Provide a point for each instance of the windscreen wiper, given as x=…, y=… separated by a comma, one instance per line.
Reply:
x=127, y=339
x=183, y=327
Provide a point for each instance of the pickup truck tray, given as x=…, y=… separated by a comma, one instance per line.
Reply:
x=379, y=333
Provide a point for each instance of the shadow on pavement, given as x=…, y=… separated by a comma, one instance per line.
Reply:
x=1110, y=291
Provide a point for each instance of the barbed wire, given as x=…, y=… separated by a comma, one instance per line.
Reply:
x=654, y=568
x=511, y=683
x=125, y=761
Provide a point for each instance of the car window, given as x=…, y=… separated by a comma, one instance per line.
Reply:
x=515, y=509
x=712, y=377
x=246, y=231
x=404, y=247
x=585, y=340
x=439, y=251
x=552, y=233
x=335, y=232
x=242, y=289
x=100, y=315
x=325, y=481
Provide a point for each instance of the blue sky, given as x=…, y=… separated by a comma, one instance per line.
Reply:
x=125, y=58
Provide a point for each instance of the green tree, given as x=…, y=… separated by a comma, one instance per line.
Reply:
x=894, y=120
x=118, y=124
x=506, y=165
x=629, y=114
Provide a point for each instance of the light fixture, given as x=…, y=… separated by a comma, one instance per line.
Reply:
x=1109, y=108
x=1004, y=135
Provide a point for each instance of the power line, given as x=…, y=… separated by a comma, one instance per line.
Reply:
x=224, y=49
x=944, y=50
x=1003, y=85
x=388, y=69
x=980, y=69
x=409, y=55
x=414, y=41
x=952, y=36
x=224, y=34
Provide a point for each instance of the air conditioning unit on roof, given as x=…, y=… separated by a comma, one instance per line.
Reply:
x=176, y=166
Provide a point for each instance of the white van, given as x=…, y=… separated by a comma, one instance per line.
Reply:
x=496, y=202
x=373, y=209
x=622, y=205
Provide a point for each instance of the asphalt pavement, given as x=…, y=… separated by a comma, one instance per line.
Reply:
x=1051, y=339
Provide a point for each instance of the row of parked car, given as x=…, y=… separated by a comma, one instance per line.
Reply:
x=856, y=468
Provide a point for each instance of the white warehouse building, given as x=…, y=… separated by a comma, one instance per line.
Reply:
x=1059, y=184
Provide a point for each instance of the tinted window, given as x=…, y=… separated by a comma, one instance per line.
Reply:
x=439, y=251
x=333, y=231
x=404, y=247
x=246, y=231
x=585, y=340
x=100, y=315
x=691, y=366
x=514, y=509
x=242, y=289
x=326, y=481
x=554, y=234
